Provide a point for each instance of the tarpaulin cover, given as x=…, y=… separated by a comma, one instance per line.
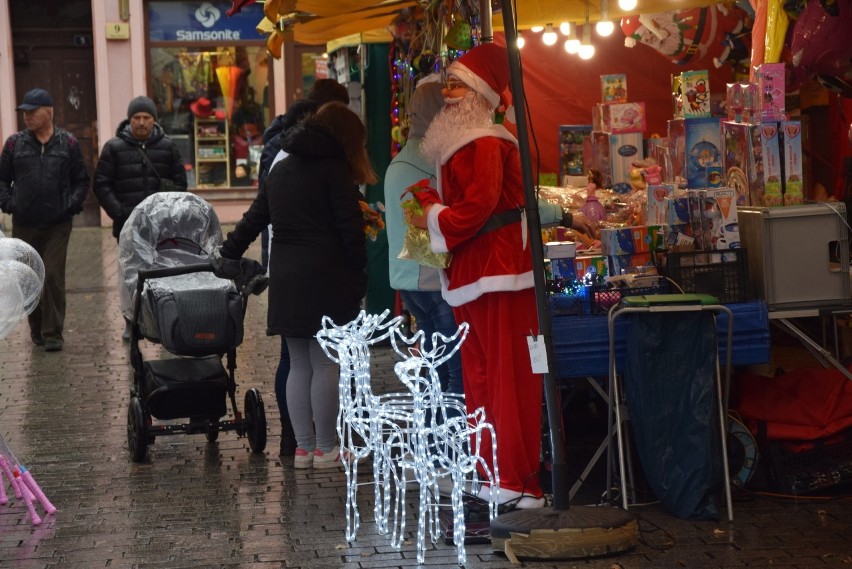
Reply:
x=168, y=229
x=670, y=386
x=803, y=404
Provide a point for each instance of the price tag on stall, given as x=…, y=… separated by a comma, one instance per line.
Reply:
x=538, y=354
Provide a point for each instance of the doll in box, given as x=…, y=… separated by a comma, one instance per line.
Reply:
x=593, y=209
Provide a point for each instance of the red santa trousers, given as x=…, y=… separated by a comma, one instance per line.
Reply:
x=498, y=376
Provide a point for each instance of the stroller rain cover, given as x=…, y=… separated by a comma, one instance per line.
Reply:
x=193, y=314
x=167, y=229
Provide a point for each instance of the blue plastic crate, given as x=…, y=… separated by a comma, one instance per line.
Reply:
x=581, y=343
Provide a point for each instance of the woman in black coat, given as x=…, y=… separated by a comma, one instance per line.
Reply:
x=318, y=243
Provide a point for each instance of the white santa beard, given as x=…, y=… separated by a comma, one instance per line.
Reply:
x=473, y=111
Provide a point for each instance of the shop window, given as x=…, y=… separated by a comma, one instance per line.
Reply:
x=213, y=102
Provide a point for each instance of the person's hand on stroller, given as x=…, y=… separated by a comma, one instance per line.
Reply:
x=252, y=279
x=225, y=268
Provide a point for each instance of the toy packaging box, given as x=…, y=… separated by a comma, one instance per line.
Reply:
x=677, y=99
x=770, y=83
x=696, y=144
x=628, y=262
x=658, y=203
x=677, y=210
x=572, y=160
x=771, y=155
x=583, y=264
x=614, y=88
x=619, y=118
x=791, y=132
x=742, y=161
x=614, y=154
x=713, y=217
x=626, y=240
x=561, y=268
x=782, y=164
x=695, y=93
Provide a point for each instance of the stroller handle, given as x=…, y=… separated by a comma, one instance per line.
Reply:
x=171, y=272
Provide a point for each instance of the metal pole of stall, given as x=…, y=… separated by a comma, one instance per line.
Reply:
x=561, y=491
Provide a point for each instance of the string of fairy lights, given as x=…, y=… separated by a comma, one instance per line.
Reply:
x=428, y=38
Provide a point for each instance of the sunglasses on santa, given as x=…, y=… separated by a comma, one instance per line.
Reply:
x=451, y=83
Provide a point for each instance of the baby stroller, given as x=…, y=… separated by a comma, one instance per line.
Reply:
x=171, y=297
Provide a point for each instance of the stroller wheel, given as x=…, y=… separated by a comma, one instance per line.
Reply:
x=255, y=418
x=137, y=427
x=212, y=434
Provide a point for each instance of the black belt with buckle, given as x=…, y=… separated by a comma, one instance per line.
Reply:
x=498, y=220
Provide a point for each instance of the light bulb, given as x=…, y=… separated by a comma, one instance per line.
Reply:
x=520, y=41
x=627, y=5
x=565, y=28
x=587, y=51
x=604, y=28
x=549, y=37
x=572, y=46
x=536, y=29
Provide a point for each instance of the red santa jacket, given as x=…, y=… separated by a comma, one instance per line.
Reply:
x=480, y=175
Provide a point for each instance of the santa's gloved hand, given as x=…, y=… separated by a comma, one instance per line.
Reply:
x=225, y=268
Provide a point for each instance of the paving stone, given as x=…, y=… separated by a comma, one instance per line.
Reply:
x=197, y=505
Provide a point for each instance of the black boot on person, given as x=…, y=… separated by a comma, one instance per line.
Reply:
x=288, y=439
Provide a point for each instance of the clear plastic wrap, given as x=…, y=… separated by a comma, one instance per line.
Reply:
x=168, y=229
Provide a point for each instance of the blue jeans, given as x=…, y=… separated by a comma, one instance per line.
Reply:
x=433, y=314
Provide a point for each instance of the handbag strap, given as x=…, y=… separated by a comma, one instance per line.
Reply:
x=148, y=162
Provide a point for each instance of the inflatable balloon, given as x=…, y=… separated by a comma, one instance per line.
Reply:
x=17, y=250
x=27, y=280
x=11, y=304
x=820, y=43
x=776, y=30
x=692, y=35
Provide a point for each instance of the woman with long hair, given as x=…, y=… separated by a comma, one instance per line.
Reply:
x=311, y=198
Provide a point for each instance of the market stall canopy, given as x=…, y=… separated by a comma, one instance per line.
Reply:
x=324, y=21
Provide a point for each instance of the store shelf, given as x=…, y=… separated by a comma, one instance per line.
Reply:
x=212, y=153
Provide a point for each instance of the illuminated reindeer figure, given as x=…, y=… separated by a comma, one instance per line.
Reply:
x=443, y=440
x=367, y=424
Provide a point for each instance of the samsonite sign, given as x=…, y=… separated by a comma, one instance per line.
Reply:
x=202, y=21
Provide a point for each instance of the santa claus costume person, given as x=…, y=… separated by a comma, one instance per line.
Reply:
x=489, y=282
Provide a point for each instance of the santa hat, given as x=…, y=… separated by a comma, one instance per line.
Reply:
x=485, y=69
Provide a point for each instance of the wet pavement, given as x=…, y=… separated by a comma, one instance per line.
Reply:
x=195, y=504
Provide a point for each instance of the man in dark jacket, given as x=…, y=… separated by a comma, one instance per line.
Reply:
x=138, y=161
x=124, y=177
x=43, y=182
x=322, y=91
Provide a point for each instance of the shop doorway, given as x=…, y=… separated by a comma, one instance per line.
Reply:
x=53, y=50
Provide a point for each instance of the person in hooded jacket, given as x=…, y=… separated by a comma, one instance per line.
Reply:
x=322, y=91
x=123, y=178
x=134, y=164
x=312, y=201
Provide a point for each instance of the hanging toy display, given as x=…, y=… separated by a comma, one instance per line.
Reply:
x=690, y=36
x=594, y=209
x=427, y=37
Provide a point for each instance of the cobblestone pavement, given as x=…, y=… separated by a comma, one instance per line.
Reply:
x=216, y=505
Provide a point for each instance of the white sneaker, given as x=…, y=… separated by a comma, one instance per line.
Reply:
x=513, y=499
x=303, y=458
x=330, y=459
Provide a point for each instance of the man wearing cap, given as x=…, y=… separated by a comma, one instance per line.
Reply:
x=43, y=182
x=138, y=161
x=489, y=281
